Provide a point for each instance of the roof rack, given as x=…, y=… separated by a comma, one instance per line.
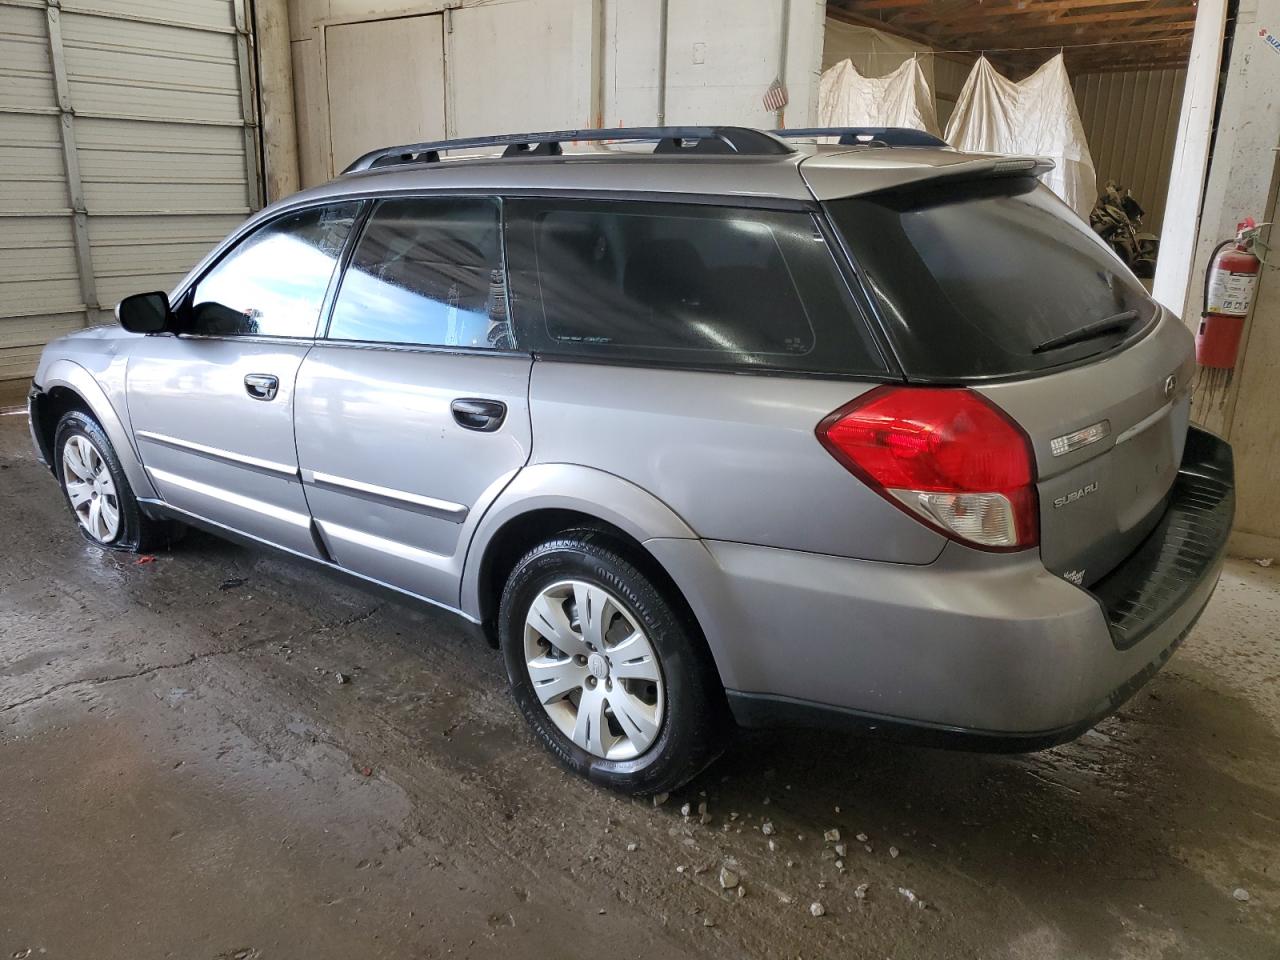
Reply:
x=869, y=136
x=742, y=141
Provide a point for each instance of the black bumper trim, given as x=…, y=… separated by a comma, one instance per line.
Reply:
x=1185, y=547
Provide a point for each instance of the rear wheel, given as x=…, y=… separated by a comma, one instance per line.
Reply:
x=98, y=492
x=611, y=675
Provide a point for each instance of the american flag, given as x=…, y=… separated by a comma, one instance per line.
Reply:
x=775, y=98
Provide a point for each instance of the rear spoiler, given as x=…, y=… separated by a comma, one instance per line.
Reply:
x=835, y=175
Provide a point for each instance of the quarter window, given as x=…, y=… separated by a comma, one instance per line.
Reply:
x=689, y=284
x=427, y=271
x=274, y=281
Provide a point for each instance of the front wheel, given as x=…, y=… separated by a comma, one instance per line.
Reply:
x=611, y=675
x=98, y=492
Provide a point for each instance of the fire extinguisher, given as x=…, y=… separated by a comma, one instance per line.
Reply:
x=1229, y=286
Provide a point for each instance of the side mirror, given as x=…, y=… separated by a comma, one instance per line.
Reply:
x=145, y=313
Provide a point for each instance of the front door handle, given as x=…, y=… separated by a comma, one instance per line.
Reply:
x=484, y=416
x=261, y=386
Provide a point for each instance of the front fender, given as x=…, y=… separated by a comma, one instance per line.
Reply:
x=566, y=486
x=72, y=376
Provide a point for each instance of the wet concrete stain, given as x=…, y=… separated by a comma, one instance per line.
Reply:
x=182, y=774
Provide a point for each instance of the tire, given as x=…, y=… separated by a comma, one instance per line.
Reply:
x=80, y=449
x=656, y=734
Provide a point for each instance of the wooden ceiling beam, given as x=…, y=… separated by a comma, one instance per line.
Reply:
x=874, y=5
x=1161, y=15
x=846, y=15
x=1183, y=22
x=1040, y=36
x=1022, y=7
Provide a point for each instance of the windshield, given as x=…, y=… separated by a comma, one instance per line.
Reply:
x=989, y=278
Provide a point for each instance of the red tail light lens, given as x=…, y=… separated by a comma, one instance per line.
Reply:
x=948, y=456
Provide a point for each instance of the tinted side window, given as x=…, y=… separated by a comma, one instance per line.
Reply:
x=426, y=271
x=274, y=281
x=682, y=283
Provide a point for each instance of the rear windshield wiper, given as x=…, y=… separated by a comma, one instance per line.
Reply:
x=1098, y=328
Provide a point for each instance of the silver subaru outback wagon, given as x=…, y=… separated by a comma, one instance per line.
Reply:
x=697, y=425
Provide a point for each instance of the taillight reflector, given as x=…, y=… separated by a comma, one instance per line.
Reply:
x=948, y=456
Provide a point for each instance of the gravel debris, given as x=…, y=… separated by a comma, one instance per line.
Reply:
x=1241, y=894
x=861, y=838
x=686, y=809
x=767, y=828
x=832, y=836
x=860, y=891
x=893, y=852
x=660, y=798
x=632, y=847
x=841, y=850
x=817, y=909
x=728, y=879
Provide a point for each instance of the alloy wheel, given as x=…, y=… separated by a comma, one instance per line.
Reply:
x=90, y=488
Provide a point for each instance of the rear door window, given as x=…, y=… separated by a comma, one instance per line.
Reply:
x=989, y=278
x=683, y=284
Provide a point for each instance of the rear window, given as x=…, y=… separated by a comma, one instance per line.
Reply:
x=682, y=283
x=989, y=278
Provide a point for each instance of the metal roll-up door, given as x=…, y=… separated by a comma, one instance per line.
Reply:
x=128, y=149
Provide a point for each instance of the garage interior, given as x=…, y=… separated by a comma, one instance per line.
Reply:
x=220, y=753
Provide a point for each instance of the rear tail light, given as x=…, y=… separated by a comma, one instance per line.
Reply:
x=948, y=456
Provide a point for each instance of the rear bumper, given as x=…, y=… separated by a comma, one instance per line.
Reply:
x=976, y=650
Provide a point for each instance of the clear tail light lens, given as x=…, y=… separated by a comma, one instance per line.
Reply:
x=948, y=456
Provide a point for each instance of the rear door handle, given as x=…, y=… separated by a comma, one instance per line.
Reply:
x=484, y=416
x=261, y=386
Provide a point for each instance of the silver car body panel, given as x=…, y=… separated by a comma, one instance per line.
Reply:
x=91, y=363
x=974, y=641
x=1099, y=501
x=234, y=461
x=734, y=457
x=391, y=478
x=587, y=490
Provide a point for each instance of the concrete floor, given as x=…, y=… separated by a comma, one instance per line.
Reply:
x=181, y=775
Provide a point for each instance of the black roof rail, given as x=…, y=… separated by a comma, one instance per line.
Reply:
x=871, y=136
x=742, y=141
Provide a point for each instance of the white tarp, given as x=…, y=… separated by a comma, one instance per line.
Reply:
x=1036, y=116
x=901, y=99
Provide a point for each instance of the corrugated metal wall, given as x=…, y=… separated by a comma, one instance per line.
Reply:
x=124, y=155
x=1131, y=121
